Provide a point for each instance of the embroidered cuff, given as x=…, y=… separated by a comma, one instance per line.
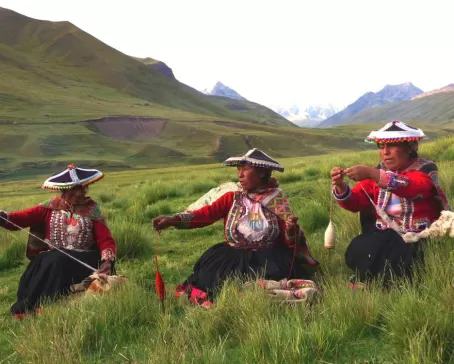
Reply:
x=185, y=219
x=345, y=196
x=393, y=180
x=108, y=254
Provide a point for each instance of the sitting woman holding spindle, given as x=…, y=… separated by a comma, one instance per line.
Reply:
x=405, y=196
x=262, y=235
x=69, y=224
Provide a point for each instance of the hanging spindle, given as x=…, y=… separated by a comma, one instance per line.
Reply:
x=330, y=232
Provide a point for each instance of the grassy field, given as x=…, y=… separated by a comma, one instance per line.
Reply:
x=407, y=324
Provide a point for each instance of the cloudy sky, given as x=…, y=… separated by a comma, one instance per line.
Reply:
x=275, y=52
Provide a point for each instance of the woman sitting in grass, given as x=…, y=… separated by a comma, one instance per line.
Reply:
x=73, y=223
x=262, y=235
x=407, y=198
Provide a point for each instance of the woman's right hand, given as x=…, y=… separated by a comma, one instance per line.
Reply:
x=163, y=222
x=337, y=179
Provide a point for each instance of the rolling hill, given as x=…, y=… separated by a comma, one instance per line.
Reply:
x=56, y=71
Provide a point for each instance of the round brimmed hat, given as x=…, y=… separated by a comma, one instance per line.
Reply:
x=71, y=177
x=394, y=132
x=256, y=158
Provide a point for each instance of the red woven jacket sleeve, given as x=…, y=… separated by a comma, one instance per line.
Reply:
x=32, y=216
x=208, y=214
x=104, y=240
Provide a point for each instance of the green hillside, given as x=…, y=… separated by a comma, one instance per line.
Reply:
x=437, y=108
x=127, y=143
x=143, y=143
x=56, y=71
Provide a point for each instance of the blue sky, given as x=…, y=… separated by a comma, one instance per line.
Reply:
x=275, y=52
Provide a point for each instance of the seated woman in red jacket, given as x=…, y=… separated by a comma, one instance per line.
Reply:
x=262, y=235
x=408, y=197
x=71, y=222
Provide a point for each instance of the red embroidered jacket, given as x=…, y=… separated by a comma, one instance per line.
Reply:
x=230, y=208
x=417, y=188
x=65, y=231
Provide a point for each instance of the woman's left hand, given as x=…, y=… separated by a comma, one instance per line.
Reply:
x=105, y=268
x=360, y=173
x=291, y=225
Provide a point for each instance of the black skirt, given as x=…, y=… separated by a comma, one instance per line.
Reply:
x=382, y=253
x=222, y=261
x=50, y=275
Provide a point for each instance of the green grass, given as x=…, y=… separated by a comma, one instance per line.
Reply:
x=407, y=324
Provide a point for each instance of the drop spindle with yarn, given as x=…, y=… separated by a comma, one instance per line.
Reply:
x=330, y=232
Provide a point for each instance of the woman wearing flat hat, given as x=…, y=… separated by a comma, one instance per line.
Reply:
x=72, y=222
x=407, y=196
x=261, y=232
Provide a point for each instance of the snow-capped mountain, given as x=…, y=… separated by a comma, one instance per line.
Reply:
x=219, y=89
x=308, y=116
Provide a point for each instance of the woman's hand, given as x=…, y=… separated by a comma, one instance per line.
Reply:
x=337, y=180
x=291, y=225
x=360, y=173
x=3, y=218
x=105, y=268
x=164, y=222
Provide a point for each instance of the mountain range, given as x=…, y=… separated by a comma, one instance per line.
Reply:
x=68, y=97
x=436, y=106
x=404, y=101
x=389, y=94
x=306, y=116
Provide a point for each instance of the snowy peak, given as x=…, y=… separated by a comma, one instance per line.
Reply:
x=296, y=113
x=219, y=89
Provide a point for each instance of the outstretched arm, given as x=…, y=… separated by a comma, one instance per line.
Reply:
x=204, y=216
x=25, y=218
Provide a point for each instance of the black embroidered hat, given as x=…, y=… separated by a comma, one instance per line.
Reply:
x=71, y=177
x=256, y=158
x=394, y=132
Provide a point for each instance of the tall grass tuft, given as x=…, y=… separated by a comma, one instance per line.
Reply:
x=131, y=238
x=13, y=255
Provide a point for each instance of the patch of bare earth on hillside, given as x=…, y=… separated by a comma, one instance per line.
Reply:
x=231, y=124
x=128, y=128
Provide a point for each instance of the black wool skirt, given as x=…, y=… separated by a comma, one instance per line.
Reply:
x=382, y=253
x=50, y=275
x=222, y=261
